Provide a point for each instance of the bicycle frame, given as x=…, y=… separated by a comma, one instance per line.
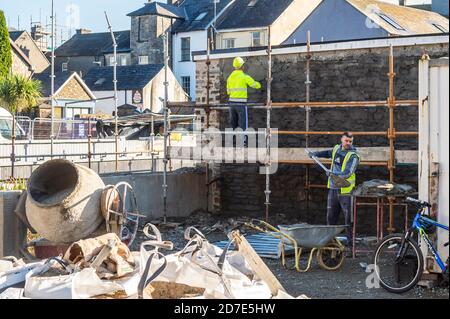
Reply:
x=418, y=222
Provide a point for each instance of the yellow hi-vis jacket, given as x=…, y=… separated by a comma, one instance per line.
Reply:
x=237, y=84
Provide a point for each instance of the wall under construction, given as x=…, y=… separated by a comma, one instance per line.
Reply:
x=346, y=75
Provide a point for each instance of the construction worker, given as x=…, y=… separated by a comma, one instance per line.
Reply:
x=237, y=85
x=344, y=161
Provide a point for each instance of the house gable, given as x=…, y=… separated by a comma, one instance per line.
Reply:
x=326, y=25
x=26, y=43
x=20, y=62
x=74, y=90
x=291, y=18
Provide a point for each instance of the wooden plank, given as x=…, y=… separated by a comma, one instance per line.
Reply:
x=255, y=155
x=256, y=263
x=104, y=253
x=407, y=157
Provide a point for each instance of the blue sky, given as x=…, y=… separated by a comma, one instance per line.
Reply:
x=71, y=14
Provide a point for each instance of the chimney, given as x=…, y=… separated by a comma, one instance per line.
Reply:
x=83, y=31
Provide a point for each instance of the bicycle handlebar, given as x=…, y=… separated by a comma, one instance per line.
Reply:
x=418, y=202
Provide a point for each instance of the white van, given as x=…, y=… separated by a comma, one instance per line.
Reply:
x=6, y=126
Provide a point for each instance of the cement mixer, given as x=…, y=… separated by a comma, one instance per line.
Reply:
x=63, y=201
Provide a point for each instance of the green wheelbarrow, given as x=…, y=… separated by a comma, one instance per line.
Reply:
x=319, y=239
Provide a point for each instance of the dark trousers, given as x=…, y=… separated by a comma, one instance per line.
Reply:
x=337, y=203
x=239, y=118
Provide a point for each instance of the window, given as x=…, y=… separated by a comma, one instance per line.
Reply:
x=228, y=43
x=123, y=60
x=111, y=60
x=185, y=49
x=201, y=16
x=256, y=39
x=440, y=28
x=252, y=3
x=72, y=112
x=143, y=59
x=186, y=84
x=390, y=21
x=64, y=66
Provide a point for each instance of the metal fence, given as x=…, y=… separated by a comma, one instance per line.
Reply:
x=41, y=128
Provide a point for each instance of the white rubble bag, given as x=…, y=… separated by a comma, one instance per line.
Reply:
x=200, y=265
x=81, y=279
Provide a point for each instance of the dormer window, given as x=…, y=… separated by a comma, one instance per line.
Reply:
x=440, y=28
x=391, y=21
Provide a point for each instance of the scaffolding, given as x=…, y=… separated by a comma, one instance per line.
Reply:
x=391, y=134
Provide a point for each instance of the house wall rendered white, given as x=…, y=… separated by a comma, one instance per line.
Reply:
x=152, y=93
x=199, y=41
x=242, y=38
x=107, y=106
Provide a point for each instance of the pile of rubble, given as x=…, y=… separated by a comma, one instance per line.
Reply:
x=69, y=204
x=104, y=267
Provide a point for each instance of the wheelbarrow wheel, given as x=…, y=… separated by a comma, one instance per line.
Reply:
x=331, y=259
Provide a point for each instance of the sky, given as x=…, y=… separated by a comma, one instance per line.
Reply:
x=71, y=14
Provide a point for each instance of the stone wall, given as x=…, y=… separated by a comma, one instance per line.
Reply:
x=351, y=75
x=31, y=50
x=73, y=90
x=146, y=38
x=19, y=65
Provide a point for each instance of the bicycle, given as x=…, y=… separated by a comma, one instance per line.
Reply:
x=398, y=259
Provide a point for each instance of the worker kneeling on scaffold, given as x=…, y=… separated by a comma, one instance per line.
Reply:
x=344, y=161
x=237, y=85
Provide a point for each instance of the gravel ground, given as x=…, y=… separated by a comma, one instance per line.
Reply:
x=348, y=282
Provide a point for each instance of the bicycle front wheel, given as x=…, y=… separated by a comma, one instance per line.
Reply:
x=398, y=274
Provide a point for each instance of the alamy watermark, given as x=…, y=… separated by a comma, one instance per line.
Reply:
x=373, y=10
x=372, y=280
x=257, y=146
x=72, y=20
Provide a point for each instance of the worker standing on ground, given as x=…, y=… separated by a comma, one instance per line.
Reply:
x=344, y=161
x=237, y=85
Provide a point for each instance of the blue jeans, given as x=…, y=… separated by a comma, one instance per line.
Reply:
x=337, y=202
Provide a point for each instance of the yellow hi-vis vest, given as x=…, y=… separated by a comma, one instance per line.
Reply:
x=352, y=178
x=237, y=84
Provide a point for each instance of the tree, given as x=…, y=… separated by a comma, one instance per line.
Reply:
x=17, y=93
x=5, y=47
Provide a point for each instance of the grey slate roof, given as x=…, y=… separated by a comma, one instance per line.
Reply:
x=128, y=77
x=14, y=35
x=262, y=14
x=195, y=7
x=44, y=78
x=161, y=9
x=94, y=44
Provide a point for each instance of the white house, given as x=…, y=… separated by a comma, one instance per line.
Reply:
x=191, y=34
x=138, y=85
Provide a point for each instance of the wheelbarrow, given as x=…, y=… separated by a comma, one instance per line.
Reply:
x=320, y=239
